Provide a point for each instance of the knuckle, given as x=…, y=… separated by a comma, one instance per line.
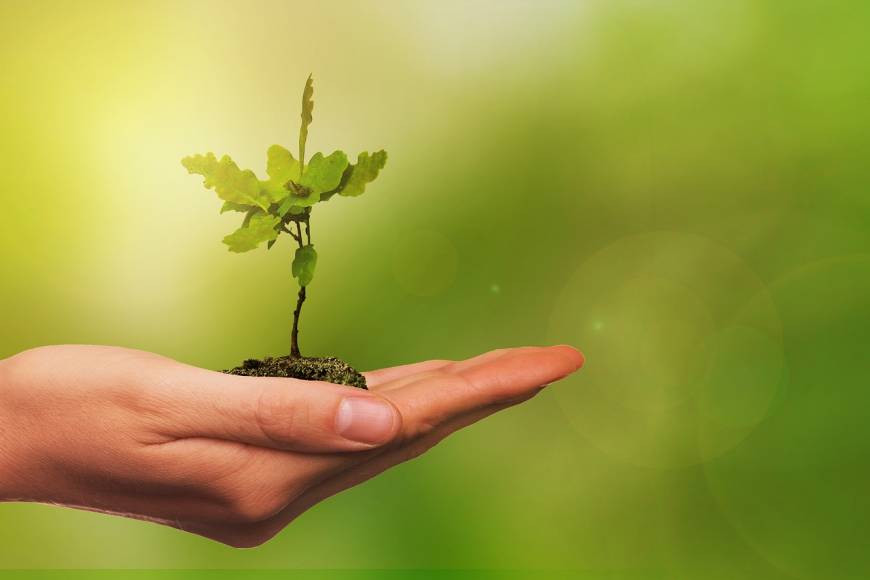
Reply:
x=422, y=429
x=250, y=511
x=454, y=380
x=245, y=510
x=247, y=502
x=282, y=417
x=215, y=472
x=273, y=414
x=446, y=378
x=426, y=421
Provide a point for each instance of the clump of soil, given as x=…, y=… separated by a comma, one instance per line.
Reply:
x=329, y=369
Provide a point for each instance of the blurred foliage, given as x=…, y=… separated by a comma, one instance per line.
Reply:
x=678, y=188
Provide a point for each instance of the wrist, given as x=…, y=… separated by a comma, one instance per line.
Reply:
x=11, y=448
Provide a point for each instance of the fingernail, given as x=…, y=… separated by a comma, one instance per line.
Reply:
x=366, y=420
x=581, y=358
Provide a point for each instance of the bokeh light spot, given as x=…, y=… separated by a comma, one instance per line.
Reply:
x=667, y=387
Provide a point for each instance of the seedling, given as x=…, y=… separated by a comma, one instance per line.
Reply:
x=282, y=204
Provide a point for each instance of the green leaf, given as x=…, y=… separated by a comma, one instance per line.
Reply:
x=364, y=172
x=300, y=199
x=304, y=263
x=307, y=116
x=232, y=206
x=248, y=216
x=281, y=166
x=229, y=182
x=320, y=175
x=288, y=206
x=324, y=173
x=258, y=229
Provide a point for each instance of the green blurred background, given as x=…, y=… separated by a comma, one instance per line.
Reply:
x=678, y=188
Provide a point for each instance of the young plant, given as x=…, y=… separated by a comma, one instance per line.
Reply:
x=282, y=204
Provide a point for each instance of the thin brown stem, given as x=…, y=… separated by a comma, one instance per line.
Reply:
x=292, y=235
x=294, y=334
x=300, y=298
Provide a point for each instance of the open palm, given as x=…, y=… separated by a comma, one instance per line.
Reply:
x=234, y=459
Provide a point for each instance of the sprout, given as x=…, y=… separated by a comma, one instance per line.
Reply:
x=282, y=204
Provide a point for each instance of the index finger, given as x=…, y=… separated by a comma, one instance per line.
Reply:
x=378, y=377
x=431, y=398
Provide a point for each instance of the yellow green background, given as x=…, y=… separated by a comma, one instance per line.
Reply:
x=678, y=188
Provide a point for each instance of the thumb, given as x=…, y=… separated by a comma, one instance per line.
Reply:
x=288, y=414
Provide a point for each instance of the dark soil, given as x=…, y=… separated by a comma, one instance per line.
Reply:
x=329, y=369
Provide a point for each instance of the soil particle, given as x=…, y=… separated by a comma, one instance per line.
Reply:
x=329, y=369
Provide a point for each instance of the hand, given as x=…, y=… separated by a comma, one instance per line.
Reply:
x=231, y=458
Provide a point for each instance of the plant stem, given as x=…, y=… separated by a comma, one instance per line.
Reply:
x=292, y=235
x=294, y=334
x=300, y=298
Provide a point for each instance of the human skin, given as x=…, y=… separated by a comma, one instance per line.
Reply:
x=231, y=458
